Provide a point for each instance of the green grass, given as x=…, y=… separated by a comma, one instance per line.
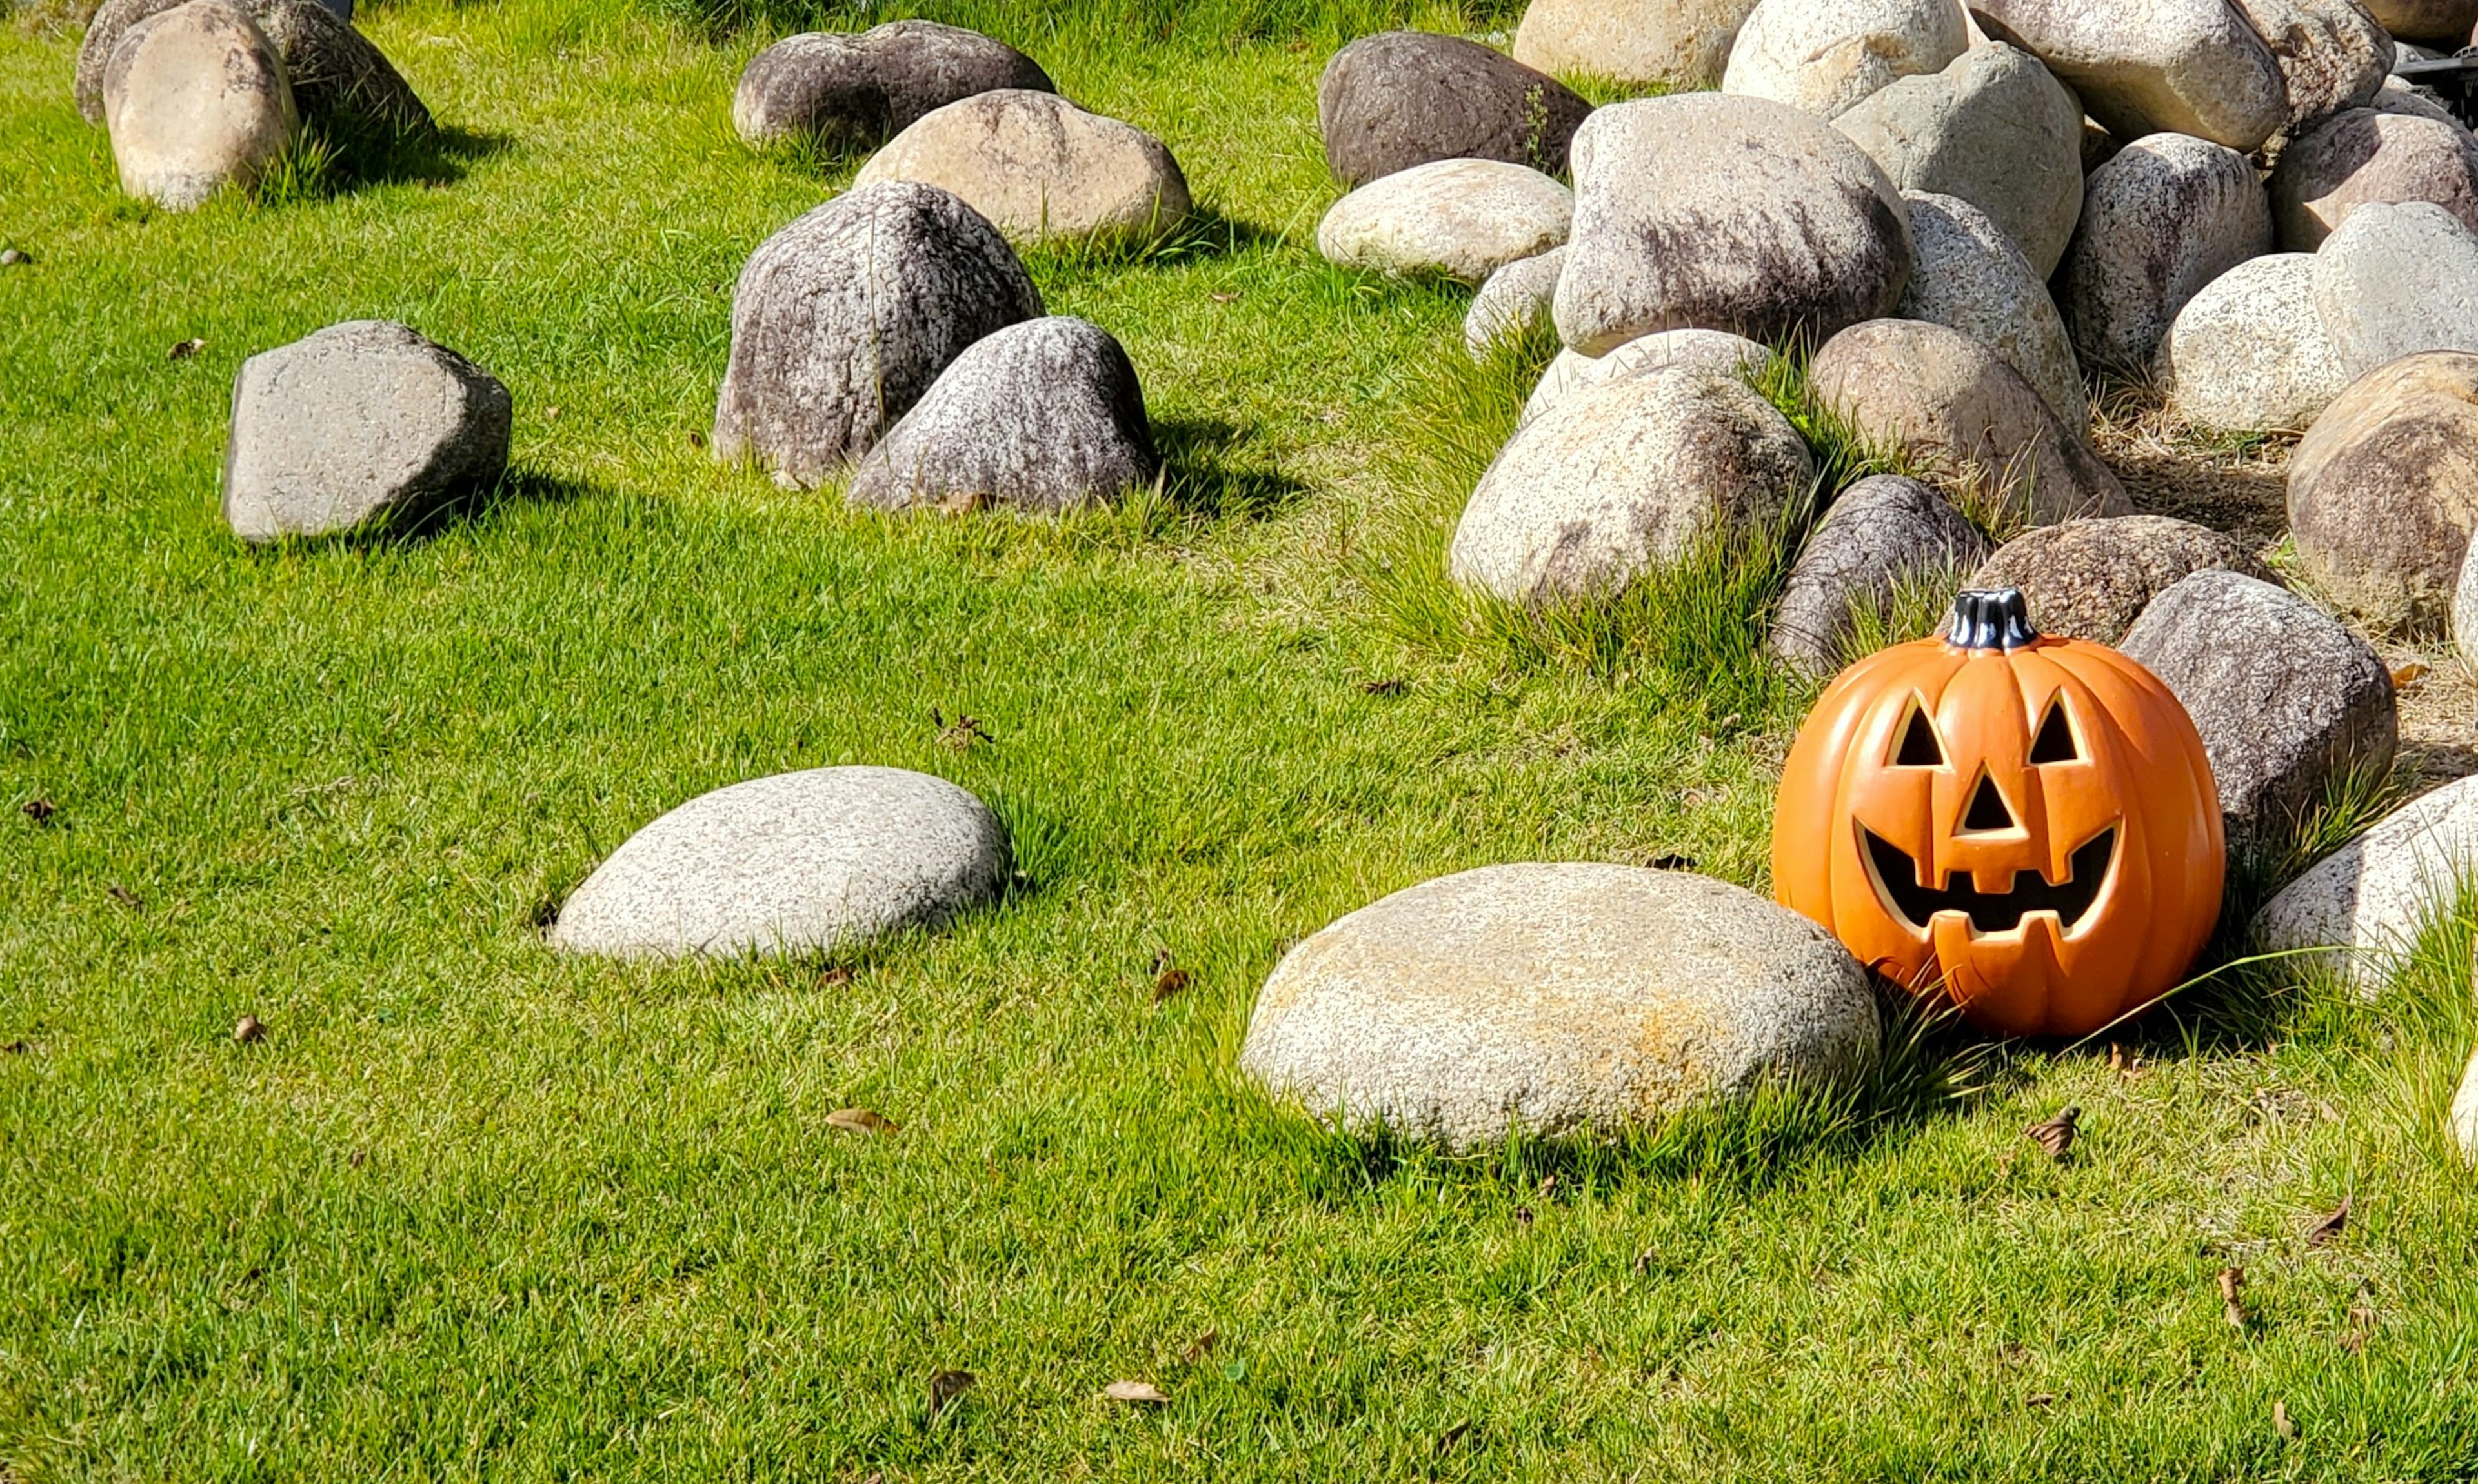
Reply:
x=472, y=1209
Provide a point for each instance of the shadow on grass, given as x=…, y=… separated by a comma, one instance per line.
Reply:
x=322, y=166
x=442, y=516
x=1205, y=477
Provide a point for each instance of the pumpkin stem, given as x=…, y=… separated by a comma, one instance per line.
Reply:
x=1991, y=620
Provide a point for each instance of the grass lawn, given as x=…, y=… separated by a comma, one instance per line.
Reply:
x=472, y=1209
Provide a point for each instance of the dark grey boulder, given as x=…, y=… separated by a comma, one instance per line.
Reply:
x=361, y=423
x=1403, y=98
x=341, y=82
x=1045, y=415
x=1882, y=531
x=2092, y=579
x=2286, y=700
x=844, y=318
x=859, y=89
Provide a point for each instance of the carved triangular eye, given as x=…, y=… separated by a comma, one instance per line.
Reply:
x=2055, y=742
x=1919, y=747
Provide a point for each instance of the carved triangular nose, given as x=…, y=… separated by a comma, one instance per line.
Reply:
x=1987, y=811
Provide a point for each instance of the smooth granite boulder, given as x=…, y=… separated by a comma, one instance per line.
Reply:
x=1403, y=98
x=2395, y=280
x=2092, y=579
x=2370, y=898
x=1683, y=44
x=1040, y=168
x=1458, y=218
x=1822, y=56
x=2369, y=154
x=1880, y=531
x=2383, y=491
x=197, y=101
x=1713, y=352
x=342, y=83
x=1973, y=279
x=2165, y=217
x=1513, y=301
x=856, y=89
x=2249, y=353
x=2183, y=66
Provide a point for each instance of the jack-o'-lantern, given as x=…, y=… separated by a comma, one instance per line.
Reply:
x=2026, y=825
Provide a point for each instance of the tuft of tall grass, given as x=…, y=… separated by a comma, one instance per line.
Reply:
x=1029, y=23
x=309, y=170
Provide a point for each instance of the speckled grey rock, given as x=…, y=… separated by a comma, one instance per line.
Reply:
x=1822, y=56
x=2186, y=67
x=1040, y=168
x=1682, y=43
x=1880, y=531
x=1996, y=130
x=341, y=82
x=2286, y=700
x=809, y=862
x=2330, y=53
x=1399, y=98
x=362, y=423
x=2249, y=353
x=2092, y=579
x=1622, y=478
x=2364, y=155
x=2395, y=280
x=1045, y=415
x=195, y=101
x=1973, y=279
x=1705, y=211
x=2464, y=613
x=1515, y=300
x=842, y=319
x=857, y=89
x=2383, y=491
x=2440, y=23
x=1715, y=352
x=1556, y=999
x=2165, y=218
x=2464, y=1116
x=1952, y=405
x=2371, y=896
x=1461, y=218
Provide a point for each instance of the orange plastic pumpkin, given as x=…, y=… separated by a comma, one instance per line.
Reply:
x=2026, y=824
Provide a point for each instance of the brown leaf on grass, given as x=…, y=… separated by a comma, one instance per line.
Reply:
x=183, y=350
x=1135, y=1392
x=1220, y=297
x=1390, y=687
x=2040, y=1399
x=1200, y=1347
x=1452, y=1436
x=39, y=810
x=960, y=737
x=1170, y=982
x=860, y=1120
x=2361, y=1327
x=2407, y=675
x=945, y=1386
x=1643, y=1260
x=2232, y=1306
x=2331, y=1226
x=2057, y=1135
x=2280, y=1422
x=126, y=897
x=250, y=1028
x=834, y=978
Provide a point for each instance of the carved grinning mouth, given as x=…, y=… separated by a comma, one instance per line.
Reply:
x=1896, y=881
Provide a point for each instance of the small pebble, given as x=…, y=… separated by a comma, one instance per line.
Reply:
x=11, y=257
x=249, y=1029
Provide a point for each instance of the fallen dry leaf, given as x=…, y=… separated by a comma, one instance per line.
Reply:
x=183, y=350
x=126, y=897
x=250, y=1028
x=1141, y=1393
x=1393, y=687
x=550, y=414
x=1222, y=298
x=2280, y=1422
x=1452, y=1436
x=1202, y=1346
x=860, y=1120
x=966, y=731
x=1170, y=982
x=2040, y=1399
x=2232, y=1307
x=945, y=1386
x=2361, y=1327
x=2331, y=1226
x=2407, y=675
x=2057, y=1135
x=834, y=978
x=1643, y=1260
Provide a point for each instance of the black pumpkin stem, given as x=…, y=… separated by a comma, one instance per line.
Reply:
x=1991, y=620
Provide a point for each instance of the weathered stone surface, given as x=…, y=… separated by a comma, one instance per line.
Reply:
x=1996, y=130
x=1514, y=300
x=817, y=861
x=2371, y=896
x=2464, y=1116
x=2092, y=579
x=2248, y=353
x=361, y=423
x=2394, y=280
x=2287, y=701
x=340, y=81
x=1879, y=532
x=2165, y=218
x=857, y=89
x=1953, y=405
x=2331, y=55
x=2181, y=67
x=1403, y=98
x=1683, y=43
x=1040, y=168
x=2383, y=491
x=1462, y=218
x=2397, y=96
x=1706, y=211
x=1622, y=478
x=2464, y=613
x=1556, y=999
x=1045, y=415
x=1971, y=278
x=1824, y=55
x=2442, y=23
x=197, y=101
x=842, y=319
x=1713, y=352
x=2360, y=156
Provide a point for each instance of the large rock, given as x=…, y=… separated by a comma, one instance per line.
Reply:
x=340, y=83
x=2287, y=701
x=2179, y=67
x=1711, y=211
x=1623, y=478
x=1995, y=128
x=1973, y=279
x=1951, y=404
x=2463, y=1115
x=2397, y=279
x=2383, y=491
x=811, y=861
x=1045, y=415
x=2165, y=218
x=1715, y=352
x=1555, y=1000
x=1039, y=167
x=1677, y=43
x=1822, y=56
x=1513, y=301
x=2440, y=23
x=2092, y=579
x=1462, y=218
x=1882, y=532
x=2249, y=353
x=2373, y=896
x=842, y=319
x=2363, y=155
x=2331, y=55
x=855, y=89
x=197, y=101
x=358, y=425
x=2464, y=613
x=1402, y=98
